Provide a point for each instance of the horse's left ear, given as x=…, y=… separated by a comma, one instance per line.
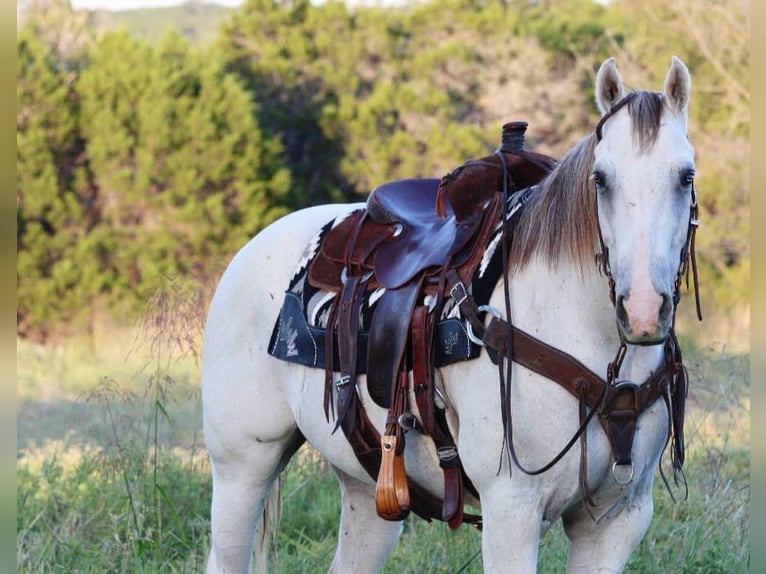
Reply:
x=678, y=85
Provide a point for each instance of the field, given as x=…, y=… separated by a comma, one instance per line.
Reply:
x=113, y=476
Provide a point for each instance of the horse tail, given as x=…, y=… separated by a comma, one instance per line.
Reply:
x=266, y=541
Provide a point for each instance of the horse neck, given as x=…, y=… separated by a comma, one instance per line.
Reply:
x=563, y=305
x=568, y=306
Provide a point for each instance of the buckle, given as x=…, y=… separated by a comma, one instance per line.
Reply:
x=625, y=400
x=459, y=293
x=343, y=381
x=409, y=422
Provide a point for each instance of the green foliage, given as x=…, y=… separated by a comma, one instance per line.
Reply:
x=138, y=161
x=52, y=189
x=183, y=171
x=147, y=163
x=130, y=502
x=95, y=511
x=66, y=507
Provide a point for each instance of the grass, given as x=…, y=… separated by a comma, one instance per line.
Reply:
x=92, y=510
x=112, y=474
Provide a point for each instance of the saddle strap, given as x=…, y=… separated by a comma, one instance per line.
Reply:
x=366, y=444
x=423, y=383
x=348, y=326
x=618, y=403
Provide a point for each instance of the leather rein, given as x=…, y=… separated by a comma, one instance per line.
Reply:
x=618, y=402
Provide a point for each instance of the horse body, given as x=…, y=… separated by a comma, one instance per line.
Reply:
x=258, y=410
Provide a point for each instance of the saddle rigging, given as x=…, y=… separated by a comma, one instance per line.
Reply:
x=419, y=241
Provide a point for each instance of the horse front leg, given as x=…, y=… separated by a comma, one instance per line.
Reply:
x=364, y=539
x=511, y=529
x=606, y=546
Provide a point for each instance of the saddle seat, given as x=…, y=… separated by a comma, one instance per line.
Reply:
x=422, y=239
x=407, y=201
x=398, y=236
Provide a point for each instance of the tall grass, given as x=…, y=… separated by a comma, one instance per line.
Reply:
x=132, y=503
x=134, y=496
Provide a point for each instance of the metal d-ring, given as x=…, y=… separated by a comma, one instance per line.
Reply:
x=469, y=330
x=623, y=482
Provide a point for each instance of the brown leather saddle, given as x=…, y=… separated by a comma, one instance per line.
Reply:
x=412, y=236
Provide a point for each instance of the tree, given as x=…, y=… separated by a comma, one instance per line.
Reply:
x=54, y=199
x=183, y=173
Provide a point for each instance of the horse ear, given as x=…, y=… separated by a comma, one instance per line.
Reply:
x=678, y=85
x=609, y=87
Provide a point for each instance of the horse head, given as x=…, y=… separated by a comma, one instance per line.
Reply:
x=643, y=175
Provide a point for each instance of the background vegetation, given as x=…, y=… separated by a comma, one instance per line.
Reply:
x=138, y=160
x=152, y=144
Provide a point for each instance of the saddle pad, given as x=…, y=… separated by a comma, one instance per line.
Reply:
x=299, y=332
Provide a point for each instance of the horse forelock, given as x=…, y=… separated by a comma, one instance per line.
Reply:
x=645, y=110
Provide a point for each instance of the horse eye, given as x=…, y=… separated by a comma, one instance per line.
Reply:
x=599, y=180
x=687, y=177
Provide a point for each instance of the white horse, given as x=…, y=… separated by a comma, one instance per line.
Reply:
x=625, y=192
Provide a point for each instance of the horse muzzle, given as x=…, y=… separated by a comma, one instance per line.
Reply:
x=644, y=318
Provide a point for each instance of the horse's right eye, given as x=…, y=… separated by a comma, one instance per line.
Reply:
x=599, y=180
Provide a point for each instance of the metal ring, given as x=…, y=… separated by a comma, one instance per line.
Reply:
x=469, y=329
x=630, y=475
x=441, y=397
x=491, y=310
x=471, y=337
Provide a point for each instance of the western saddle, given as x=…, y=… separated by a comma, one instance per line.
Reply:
x=418, y=241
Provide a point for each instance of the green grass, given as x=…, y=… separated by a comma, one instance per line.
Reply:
x=75, y=514
x=707, y=533
x=112, y=476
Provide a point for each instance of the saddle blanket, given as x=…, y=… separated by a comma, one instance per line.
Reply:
x=298, y=335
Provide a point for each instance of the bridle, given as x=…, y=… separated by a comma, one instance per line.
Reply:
x=688, y=255
x=618, y=402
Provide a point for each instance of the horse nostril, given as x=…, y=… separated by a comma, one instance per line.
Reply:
x=666, y=308
x=622, y=313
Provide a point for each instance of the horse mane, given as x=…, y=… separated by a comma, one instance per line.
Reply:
x=561, y=218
